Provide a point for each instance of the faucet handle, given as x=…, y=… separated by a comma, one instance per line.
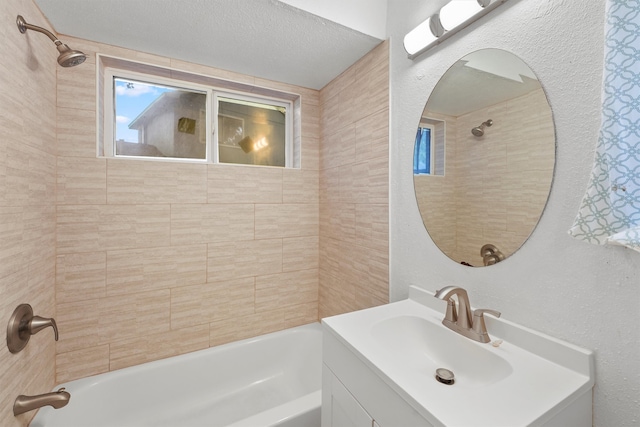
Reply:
x=23, y=324
x=37, y=323
x=479, y=326
x=480, y=311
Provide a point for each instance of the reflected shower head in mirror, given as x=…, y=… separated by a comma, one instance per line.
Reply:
x=68, y=57
x=479, y=130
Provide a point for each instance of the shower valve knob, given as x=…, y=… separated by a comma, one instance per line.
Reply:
x=23, y=324
x=38, y=323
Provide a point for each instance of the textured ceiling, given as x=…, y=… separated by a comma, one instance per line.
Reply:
x=263, y=38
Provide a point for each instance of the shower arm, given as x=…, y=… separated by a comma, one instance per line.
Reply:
x=23, y=27
x=68, y=57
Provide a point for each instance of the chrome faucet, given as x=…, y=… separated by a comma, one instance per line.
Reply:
x=57, y=399
x=461, y=319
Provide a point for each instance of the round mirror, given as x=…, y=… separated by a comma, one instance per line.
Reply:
x=484, y=157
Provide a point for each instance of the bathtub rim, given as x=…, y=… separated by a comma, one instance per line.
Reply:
x=93, y=379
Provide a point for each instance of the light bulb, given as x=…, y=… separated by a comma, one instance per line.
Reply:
x=458, y=11
x=260, y=144
x=419, y=37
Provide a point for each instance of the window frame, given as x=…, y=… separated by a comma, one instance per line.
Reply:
x=106, y=100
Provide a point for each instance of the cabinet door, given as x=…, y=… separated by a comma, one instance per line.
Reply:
x=345, y=409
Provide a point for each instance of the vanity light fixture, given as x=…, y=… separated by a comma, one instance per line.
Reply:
x=451, y=18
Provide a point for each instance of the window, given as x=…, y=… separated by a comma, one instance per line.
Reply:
x=194, y=118
x=423, y=154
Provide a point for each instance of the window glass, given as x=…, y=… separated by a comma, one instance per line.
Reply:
x=153, y=120
x=251, y=132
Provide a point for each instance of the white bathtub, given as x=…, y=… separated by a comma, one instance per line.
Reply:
x=271, y=380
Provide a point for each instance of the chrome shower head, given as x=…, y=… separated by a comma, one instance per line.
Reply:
x=479, y=130
x=68, y=57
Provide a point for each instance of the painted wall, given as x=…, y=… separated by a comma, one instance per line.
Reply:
x=27, y=200
x=354, y=190
x=584, y=294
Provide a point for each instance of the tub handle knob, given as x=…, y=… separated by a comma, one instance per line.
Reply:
x=23, y=324
x=38, y=323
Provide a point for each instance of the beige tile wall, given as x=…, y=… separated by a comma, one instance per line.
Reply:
x=438, y=190
x=134, y=271
x=27, y=200
x=354, y=159
x=156, y=259
x=495, y=187
x=502, y=204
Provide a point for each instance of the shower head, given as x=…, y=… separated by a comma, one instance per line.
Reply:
x=68, y=57
x=479, y=130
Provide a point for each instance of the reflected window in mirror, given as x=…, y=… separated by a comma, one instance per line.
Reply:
x=423, y=155
x=429, y=148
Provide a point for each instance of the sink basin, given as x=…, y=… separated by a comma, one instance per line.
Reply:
x=529, y=379
x=424, y=346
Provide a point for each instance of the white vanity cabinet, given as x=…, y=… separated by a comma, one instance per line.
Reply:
x=353, y=395
x=379, y=369
x=345, y=411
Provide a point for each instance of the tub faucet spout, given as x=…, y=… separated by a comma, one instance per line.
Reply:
x=56, y=399
x=462, y=320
